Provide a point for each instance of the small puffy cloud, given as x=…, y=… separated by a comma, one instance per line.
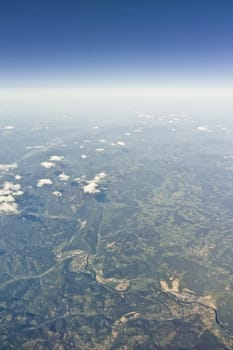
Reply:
x=102, y=141
x=18, y=193
x=47, y=165
x=100, y=176
x=99, y=149
x=56, y=194
x=203, y=128
x=81, y=147
x=127, y=134
x=121, y=143
x=78, y=179
x=42, y=182
x=6, y=167
x=7, y=197
x=92, y=185
x=83, y=156
x=8, y=208
x=56, y=158
x=64, y=177
x=12, y=187
x=8, y=127
x=82, y=223
x=91, y=188
x=18, y=177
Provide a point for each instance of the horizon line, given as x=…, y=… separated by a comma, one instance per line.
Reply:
x=116, y=91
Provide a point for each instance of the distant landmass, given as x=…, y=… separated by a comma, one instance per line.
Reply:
x=116, y=235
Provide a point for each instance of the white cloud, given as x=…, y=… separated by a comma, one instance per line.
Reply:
x=56, y=158
x=83, y=223
x=100, y=176
x=10, y=208
x=18, y=177
x=12, y=187
x=47, y=165
x=57, y=194
x=78, y=179
x=203, y=128
x=34, y=147
x=42, y=182
x=7, y=197
x=99, y=149
x=5, y=192
x=8, y=127
x=18, y=193
x=64, y=177
x=127, y=134
x=92, y=186
x=121, y=143
x=6, y=167
x=83, y=156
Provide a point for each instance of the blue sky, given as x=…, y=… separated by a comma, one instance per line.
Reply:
x=107, y=42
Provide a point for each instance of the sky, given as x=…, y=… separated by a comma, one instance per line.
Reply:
x=60, y=43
